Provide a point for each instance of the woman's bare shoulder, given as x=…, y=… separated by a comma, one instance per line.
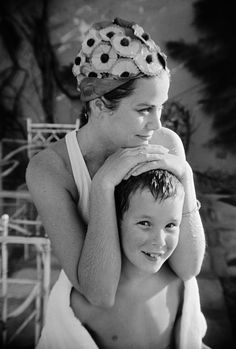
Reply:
x=51, y=164
x=50, y=160
x=170, y=140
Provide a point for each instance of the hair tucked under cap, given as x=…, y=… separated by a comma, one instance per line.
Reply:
x=113, y=53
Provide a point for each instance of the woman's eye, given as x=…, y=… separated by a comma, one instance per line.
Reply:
x=144, y=223
x=145, y=111
x=149, y=110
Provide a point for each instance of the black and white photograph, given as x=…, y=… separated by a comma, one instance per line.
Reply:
x=117, y=174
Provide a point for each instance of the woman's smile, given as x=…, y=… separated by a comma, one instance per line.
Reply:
x=129, y=125
x=145, y=137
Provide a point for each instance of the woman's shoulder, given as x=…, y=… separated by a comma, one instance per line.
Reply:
x=50, y=158
x=169, y=139
x=51, y=164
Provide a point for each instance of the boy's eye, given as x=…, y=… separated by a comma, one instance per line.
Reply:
x=144, y=223
x=171, y=226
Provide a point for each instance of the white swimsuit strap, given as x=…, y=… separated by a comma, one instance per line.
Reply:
x=80, y=172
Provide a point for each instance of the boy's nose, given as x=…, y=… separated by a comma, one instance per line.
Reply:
x=159, y=238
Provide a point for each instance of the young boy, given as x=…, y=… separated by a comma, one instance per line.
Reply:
x=153, y=308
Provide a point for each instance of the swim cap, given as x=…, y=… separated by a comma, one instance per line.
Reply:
x=112, y=53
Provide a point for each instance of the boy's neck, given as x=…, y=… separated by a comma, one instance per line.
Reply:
x=130, y=273
x=141, y=285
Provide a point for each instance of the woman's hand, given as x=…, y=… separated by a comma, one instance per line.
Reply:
x=123, y=162
x=170, y=162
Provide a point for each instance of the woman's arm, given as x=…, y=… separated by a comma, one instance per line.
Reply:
x=89, y=255
x=187, y=258
x=100, y=261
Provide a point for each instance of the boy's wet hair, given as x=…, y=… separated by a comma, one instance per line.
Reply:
x=161, y=183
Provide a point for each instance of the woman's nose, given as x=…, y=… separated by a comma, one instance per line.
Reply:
x=155, y=121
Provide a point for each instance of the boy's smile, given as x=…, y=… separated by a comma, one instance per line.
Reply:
x=150, y=230
x=153, y=256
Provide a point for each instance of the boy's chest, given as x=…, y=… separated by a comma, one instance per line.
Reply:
x=133, y=322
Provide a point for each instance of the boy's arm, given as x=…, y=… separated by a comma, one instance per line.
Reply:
x=186, y=260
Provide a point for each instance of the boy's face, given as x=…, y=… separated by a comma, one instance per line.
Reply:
x=150, y=230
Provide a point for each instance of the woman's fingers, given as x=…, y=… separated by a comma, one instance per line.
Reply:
x=143, y=167
x=148, y=153
x=168, y=162
x=144, y=162
x=147, y=149
x=130, y=157
x=121, y=164
x=155, y=148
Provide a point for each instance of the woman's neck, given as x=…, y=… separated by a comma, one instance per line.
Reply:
x=94, y=148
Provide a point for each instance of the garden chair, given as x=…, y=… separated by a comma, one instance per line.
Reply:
x=27, y=231
x=40, y=135
x=16, y=314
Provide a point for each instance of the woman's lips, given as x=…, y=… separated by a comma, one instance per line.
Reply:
x=144, y=138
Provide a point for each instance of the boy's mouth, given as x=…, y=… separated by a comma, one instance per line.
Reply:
x=153, y=255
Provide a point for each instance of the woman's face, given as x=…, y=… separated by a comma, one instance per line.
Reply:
x=139, y=115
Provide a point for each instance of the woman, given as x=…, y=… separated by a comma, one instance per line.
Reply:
x=123, y=82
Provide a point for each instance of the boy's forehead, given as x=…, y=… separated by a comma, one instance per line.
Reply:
x=141, y=199
x=146, y=194
x=143, y=202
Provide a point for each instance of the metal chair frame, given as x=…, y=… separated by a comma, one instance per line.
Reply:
x=40, y=285
x=40, y=135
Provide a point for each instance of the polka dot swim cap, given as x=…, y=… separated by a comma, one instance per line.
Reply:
x=113, y=53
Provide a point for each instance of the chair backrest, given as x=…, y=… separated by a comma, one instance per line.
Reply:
x=24, y=295
x=40, y=135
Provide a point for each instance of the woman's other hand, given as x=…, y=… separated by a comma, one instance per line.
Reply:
x=173, y=163
x=123, y=162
